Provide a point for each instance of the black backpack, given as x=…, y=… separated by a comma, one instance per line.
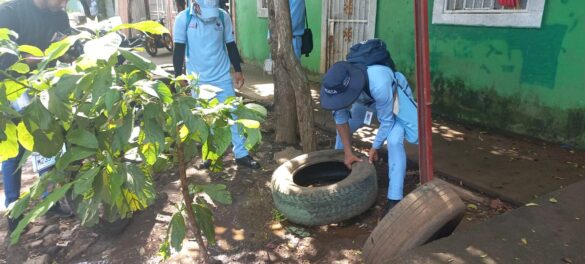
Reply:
x=306, y=38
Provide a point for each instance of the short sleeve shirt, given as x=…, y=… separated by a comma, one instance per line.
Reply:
x=206, y=55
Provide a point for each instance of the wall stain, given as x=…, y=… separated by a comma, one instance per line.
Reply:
x=485, y=107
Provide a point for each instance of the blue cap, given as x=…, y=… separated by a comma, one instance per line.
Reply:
x=342, y=85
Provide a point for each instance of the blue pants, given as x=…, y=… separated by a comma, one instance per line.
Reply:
x=396, y=152
x=12, y=177
x=297, y=42
x=238, y=140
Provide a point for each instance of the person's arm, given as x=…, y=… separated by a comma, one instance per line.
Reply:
x=382, y=91
x=180, y=40
x=341, y=118
x=232, y=48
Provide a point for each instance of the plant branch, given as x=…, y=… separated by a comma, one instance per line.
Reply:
x=188, y=199
x=24, y=86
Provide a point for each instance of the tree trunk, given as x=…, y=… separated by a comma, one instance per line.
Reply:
x=288, y=74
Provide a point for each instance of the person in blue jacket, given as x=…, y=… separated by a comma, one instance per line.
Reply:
x=203, y=34
x=355, y=93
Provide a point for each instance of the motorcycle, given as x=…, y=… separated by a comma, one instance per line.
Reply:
x=153, y=42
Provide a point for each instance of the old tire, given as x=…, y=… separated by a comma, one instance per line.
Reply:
x=321, y=205
x=428, y=213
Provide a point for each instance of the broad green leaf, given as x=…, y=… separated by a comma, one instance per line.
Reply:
x=17, y=208
x=205, y=222
x=112, y=96
x=149, y=152
x=65, y=71
x=123, y=133
x=258, y=108
x=20, y=68
x=157, y=89
x=190, y=149
x=88, y=212
x=57, y=49
x=178, y=231
x=222, y=138
x=82, y=137
x=25, y=138
x=85, y=181
x=138, y=61
x=37, y=113
x=133, y=202
x=253, y=137
x=101, y=83
x=249, y=123
x=58, y=107
x=65, y=86
x=147, y=26
x=218, y=193
x=39, y=210
x=6, y=33
x=116, y=181
x=103, y=48
x=9, y=147
x=13, y=90
x=73, y=154
x=52, y=139
x=39, y=188
x=32, y=50
x=165, y=250
x=141, y=185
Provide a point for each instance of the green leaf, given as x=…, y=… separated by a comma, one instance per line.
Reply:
x=52, y=139
x=156, y=89
x=116, y=181
x=165, y=250
x=147, y=26
x=218, y=193
x=249, y=123
x=102, y=48
x=123, y=133
x=83, y=138
x=20, y=68
x=149, y=152
x=88, y=211
x=101, y=84
x=253, y=137
x=178, y=231
x=258, y=109
x=141, y=185
x=205, y=222
x=57, y=49
x=65, y=86
x=222, y=138
x=138, y=61
x=24, y=137
x=73, y=154
x=58, y=107
x=32, y=50
x=17, y=208
x=6, y=33
x=39, y=210
x=37, y=113
x=13, y=90
x=9, y=147
x=85, y=181
x=112, y=96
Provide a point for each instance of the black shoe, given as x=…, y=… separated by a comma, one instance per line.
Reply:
x=248, y=162
x=12, y=223
x=60, y=211
x=389, y=205
x=204, y=165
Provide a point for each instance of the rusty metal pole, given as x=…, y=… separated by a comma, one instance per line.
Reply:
x=423, y=86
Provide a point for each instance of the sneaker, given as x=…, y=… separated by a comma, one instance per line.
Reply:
x=389, y=205
x=60, y=211
x=204, y=165
x=249, y=162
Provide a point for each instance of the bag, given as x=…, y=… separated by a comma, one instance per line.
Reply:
x=189, y=17
x=306, y=38
x=405, y=108
x=370, y=52
x=374, y=52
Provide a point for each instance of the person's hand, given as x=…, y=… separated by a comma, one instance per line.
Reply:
x=373, y=155
x=238, y=79
x=350, y=159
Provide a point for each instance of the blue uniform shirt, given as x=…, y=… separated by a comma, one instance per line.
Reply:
x=297, y=16
x=207, y=51
x=380, y=79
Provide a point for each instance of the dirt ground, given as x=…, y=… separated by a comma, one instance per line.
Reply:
x=248, y=231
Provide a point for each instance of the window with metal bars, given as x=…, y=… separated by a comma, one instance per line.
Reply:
x=485, y=6
x=261, y=8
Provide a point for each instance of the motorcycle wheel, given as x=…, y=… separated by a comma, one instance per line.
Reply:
x=168, y=42
x=150, y=46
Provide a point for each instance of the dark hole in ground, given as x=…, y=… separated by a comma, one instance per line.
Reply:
x=321, y=174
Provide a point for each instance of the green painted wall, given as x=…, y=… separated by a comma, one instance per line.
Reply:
x=526, y=81
x=252, y=32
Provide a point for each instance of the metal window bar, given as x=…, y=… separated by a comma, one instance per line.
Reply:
x=481, y=6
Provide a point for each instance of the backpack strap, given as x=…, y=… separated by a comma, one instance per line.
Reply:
x=189, y=17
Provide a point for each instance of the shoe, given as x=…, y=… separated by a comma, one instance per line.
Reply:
x=59, y=211
x=389, y=205
x=13, y=223
x=248, y=162
x=204, y=165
